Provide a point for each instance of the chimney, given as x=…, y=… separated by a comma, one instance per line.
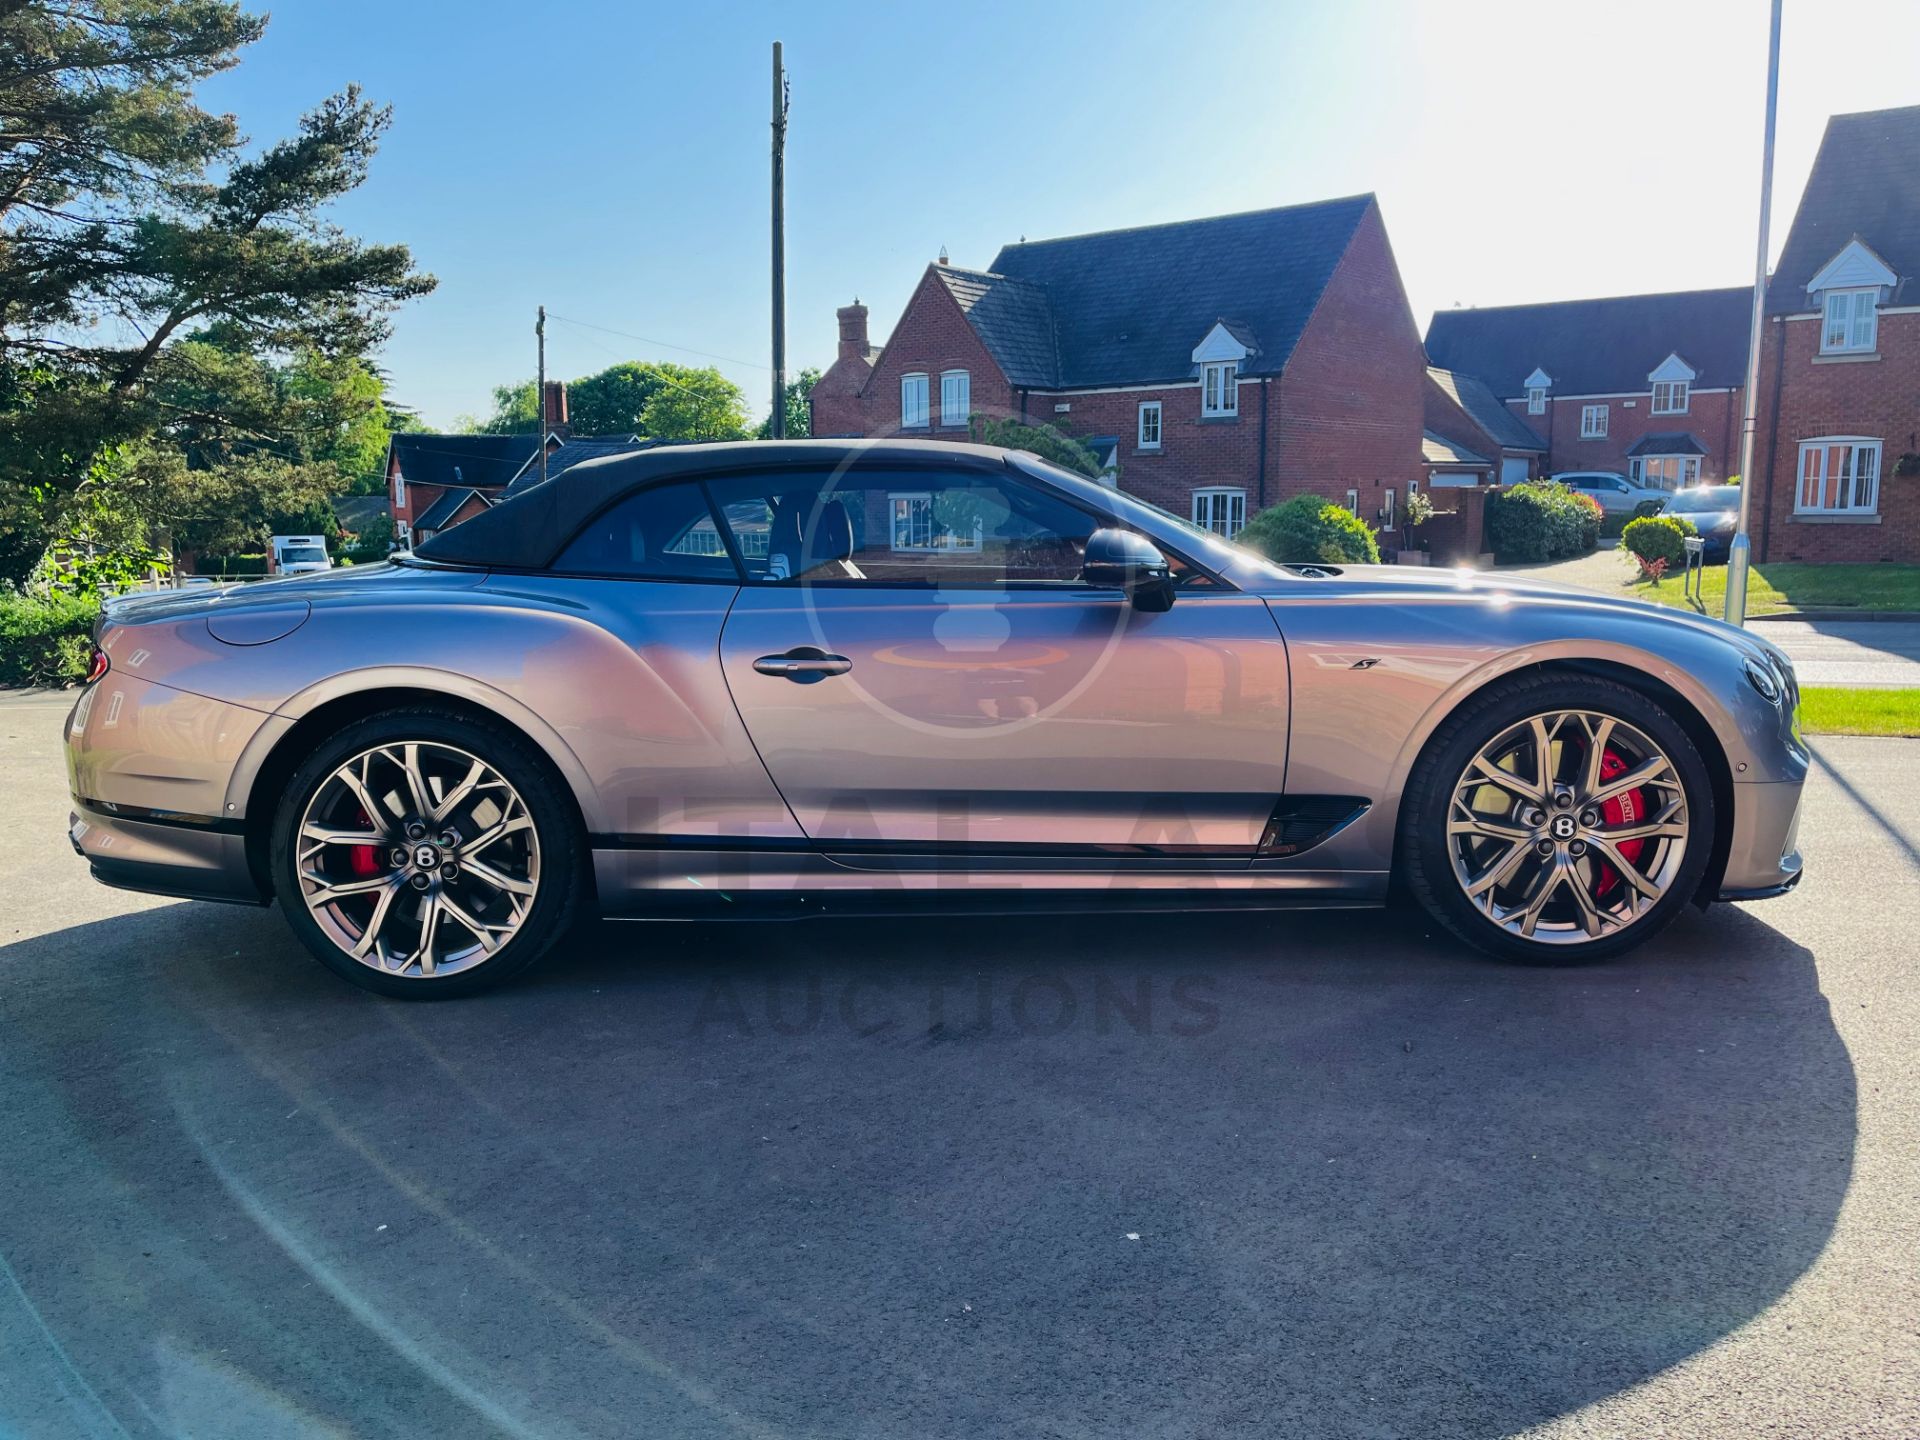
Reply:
x=853, y=331
x=553, y=412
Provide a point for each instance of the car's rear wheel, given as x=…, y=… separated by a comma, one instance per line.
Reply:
x=421, y=853
x=1558, y=819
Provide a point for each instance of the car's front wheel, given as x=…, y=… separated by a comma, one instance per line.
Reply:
x=422, y=853
x=1556, y=819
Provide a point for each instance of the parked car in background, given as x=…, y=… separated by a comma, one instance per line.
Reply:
x=297, y=555
x=1715, y=513
x=722, y=673
x=1617, y=494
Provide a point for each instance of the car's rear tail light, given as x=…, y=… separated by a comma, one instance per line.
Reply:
x=98, y=667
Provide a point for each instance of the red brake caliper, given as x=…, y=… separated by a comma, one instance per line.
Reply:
x=364, y=860
x=1621, y=809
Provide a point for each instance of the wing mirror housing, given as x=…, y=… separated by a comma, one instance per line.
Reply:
x=1123, y=560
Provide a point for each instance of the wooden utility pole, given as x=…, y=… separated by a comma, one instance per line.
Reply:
x=778, y=425
x=540, y=393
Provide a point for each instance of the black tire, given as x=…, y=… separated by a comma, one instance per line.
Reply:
x=1424, y=856
x=564, y=856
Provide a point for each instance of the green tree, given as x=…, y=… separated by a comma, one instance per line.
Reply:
x=616, y=401
x=694, y=405
x=229, y=508
x=799, y=412
x=1041, y=439
x=125, y=209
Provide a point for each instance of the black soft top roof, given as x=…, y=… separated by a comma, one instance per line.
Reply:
x=527, y=531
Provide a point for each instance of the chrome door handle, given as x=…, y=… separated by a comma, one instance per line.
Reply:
x=804, y=664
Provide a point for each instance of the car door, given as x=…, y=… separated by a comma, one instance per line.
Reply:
x=923, y=671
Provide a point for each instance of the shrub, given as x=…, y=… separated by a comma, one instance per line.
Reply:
x=1046, y=441
x=1539, y=520
x=1657, y=538
x=1307, y=529
x=46, y=640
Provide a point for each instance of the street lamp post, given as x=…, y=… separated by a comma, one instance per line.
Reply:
x=1739, y=554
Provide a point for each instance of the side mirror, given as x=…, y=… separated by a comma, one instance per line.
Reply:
x=1122, y=560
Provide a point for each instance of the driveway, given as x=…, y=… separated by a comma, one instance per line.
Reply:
x=1282, y=1175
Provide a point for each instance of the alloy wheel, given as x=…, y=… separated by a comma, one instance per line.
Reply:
x=1567, y=826
x=418, y=859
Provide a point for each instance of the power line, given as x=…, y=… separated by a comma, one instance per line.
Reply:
x=663, y=344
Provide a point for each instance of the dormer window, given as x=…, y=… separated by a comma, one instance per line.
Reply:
x=1670, y=397
x=1220, y=388
x=1537, y=385
x=1849, y=322
x=1217, y=359
x=1848, y=290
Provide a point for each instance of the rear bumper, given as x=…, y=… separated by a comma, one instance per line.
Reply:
x=189, y=857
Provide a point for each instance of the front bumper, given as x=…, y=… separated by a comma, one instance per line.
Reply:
x=1763, y=856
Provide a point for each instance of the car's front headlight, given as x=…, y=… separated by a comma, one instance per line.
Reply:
x=1766, y=680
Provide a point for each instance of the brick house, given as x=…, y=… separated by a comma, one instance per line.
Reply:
x=1217, y=366
x=1473, y=438
x=1839, y=413
x=436, y=481
x=1648, y=386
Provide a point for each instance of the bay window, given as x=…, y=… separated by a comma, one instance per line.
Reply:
x=1839, y=475
x=1664, y=472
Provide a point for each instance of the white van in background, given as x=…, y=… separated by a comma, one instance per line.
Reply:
x=297, y=554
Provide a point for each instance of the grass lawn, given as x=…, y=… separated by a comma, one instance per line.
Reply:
x=1789, y=586
x=1832, y=710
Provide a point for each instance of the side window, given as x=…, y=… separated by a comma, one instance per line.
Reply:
x=665, y=532
x=890, y=525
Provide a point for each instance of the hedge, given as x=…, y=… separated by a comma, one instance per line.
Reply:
x=1308, y=529
x=46, y=641
x=1538, y=521
x=1658, y=537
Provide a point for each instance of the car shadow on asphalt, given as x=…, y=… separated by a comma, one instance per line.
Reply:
x=1289, y=1174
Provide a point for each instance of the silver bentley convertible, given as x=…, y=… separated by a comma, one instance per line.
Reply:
x=712, y=679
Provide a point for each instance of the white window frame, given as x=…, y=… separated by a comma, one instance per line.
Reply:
x=1353, y=503
x=1226, y=504
x=1857, y=486
x=1857, y=323
x=403, y=534
x=399, y=489
x=950, y=382
x=950, y=544
x=1149, y=408
x=1536, y=400
x=1389, y=513
x=1671, y=397
x=909, y=412
x=1219, y=389
x=1686, y=471
x=1593, y=421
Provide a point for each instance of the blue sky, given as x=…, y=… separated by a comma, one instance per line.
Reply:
x=610, y=159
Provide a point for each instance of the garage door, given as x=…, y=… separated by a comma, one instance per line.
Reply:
x=1513, y=471
x=1457, y=477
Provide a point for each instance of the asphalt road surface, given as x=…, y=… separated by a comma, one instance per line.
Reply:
x=1282, y=1175
x=1883, y=653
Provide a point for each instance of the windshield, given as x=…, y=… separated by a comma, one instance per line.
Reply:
x=1706, y=498
x=303, y=555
